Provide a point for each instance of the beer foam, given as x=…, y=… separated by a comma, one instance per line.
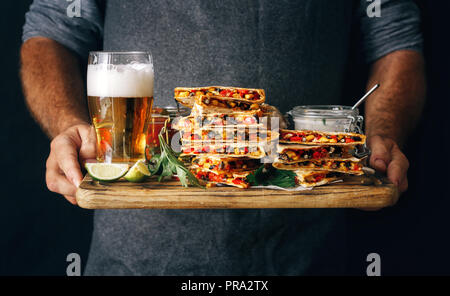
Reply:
x=131, y=80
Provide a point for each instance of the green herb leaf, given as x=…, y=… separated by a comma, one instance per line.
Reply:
x=190, y=177
x=154, y=164
x=182, y=176
x=256, y=178
x=167, y=170
x=265, y=176
x=167, y=163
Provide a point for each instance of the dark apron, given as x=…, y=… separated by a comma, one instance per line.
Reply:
x=296, y=51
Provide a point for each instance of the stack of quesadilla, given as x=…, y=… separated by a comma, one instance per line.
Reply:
x=223, y=133
x=319, y=158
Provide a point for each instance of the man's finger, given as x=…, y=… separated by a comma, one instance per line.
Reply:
x=58, y=183
x=67, y=158
x=403, y=185
x=71, y=199
x=395, y=173
x=380, y=153
x=88, y=149
x=398, y=168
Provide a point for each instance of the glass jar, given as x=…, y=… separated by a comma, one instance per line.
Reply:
x=159, y=117
x=327, y=118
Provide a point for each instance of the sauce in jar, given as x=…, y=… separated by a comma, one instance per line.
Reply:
x=327, y=118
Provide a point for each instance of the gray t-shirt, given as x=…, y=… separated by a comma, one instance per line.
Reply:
x=296, y=50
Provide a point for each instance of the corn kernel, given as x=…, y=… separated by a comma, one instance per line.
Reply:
x=254, y=107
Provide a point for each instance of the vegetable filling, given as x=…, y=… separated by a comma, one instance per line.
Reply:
x=226, y=165
x=305, y=137
x=238, y=93
x=315, y=153
x=343, y=166
x=220, y=178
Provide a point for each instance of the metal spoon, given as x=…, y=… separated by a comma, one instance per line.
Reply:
x=366, y=95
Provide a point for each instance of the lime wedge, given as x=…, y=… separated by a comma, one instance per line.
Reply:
x=138, y=172
x=107, y=171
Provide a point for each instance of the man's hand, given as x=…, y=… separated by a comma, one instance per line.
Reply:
x=69, y=150
x=393, y=111
x=54, y=92
x=387, y=158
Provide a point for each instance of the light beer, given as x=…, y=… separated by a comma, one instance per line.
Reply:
x=120, y=99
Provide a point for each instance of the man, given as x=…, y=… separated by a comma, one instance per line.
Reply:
x=296, y=50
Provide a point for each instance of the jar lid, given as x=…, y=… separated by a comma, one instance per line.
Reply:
x=172, y=111
x=324, y=111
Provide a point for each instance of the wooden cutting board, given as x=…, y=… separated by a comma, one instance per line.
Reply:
x=354, y=192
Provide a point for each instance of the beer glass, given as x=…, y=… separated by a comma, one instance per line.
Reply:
x=120, y=99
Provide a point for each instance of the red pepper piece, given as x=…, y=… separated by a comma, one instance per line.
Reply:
x=226, y=93
x=242, y=92
x=316, y=155
x=319, y=178
x=295, y=139
x=238, y=181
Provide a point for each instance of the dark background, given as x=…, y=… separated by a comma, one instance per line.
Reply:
x=39, y=229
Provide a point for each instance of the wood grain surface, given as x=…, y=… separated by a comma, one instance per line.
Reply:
x=354, y=192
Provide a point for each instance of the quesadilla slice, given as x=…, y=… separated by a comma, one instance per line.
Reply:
x=206, y=104
x=296, y=152
x=251, y=150
x=186, y=95
x=333, y=165
x=307, y=137
x=217, y=120
x=225, y=164
x=315, y=178
x=236, y=179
